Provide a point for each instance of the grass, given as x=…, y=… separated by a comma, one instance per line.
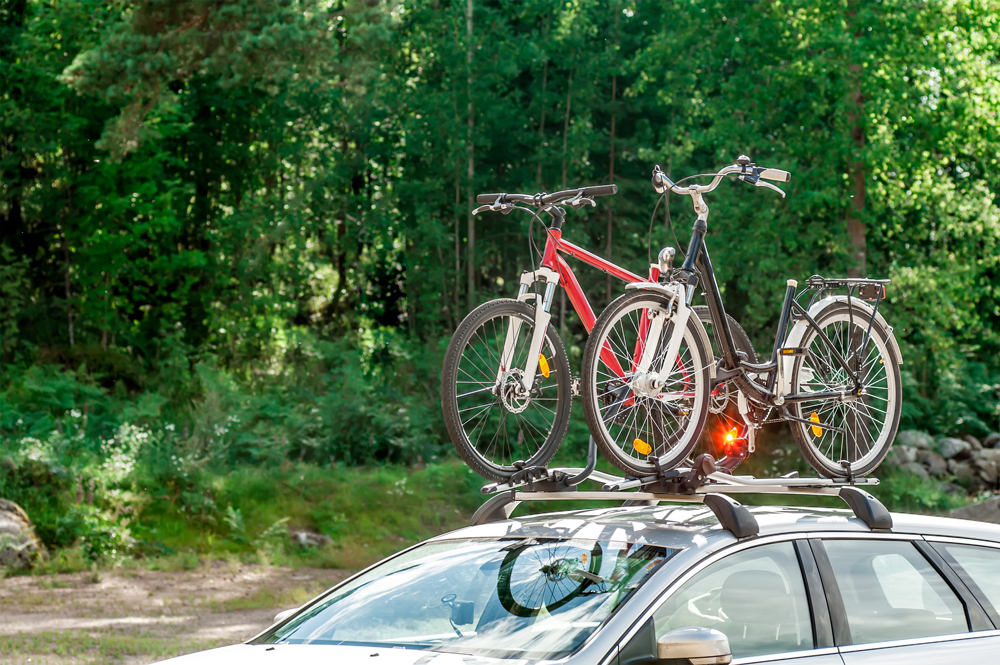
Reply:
x=89, y=646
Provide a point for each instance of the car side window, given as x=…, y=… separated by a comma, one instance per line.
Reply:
x=891, y=592
x=982, y=564
x=756, y=597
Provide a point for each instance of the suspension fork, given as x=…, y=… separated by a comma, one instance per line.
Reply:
x=543, y=305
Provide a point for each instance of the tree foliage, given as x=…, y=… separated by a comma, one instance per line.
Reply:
x=275, y=193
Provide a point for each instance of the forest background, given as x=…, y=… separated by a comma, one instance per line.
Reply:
x=235, y=234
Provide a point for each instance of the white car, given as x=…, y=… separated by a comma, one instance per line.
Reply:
x=661, y=584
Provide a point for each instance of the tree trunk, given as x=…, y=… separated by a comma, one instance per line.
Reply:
x=470, y=259
x=69, y=295
x=855, y=211
x=611, y=176
x=562, y=292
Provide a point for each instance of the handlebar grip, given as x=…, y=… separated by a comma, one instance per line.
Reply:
x=486, y=198
x=600, y=190
x=776, y=175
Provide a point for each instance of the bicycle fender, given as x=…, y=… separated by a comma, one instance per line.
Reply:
x=798, y=332
x=664, y=289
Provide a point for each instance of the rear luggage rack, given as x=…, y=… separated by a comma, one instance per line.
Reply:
x=698, y=484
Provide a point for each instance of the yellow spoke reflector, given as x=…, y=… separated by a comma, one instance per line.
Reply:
x=543, y=365
x=642, y=447
x=817, y=430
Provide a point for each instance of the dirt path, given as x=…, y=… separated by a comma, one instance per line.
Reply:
x=141, y=616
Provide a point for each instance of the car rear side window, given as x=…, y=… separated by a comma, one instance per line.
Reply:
x=891, y=592
x=982, y=564
x=756, y=597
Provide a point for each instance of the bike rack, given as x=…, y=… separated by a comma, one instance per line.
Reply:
x=700, y=484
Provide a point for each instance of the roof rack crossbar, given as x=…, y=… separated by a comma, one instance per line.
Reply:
x=867, y=508
x=732, y=515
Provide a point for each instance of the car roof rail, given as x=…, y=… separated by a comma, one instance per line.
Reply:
x=867, y=508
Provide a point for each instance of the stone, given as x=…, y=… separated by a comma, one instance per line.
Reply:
x=992, y=440
x=984, y=511
x=988, y=471
x=307, y=538
x=988, y=454
x=972, y=441
x=936, y=465
x=915, y=439
x=900, y=455
x=954, y=448
x=19, y=545
x=966, y=475
x=916, y=469
x=953, y=489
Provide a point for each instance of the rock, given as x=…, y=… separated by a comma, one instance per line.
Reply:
x=900, y=455
x=988, y=454
x=916, y=469
x=966, y=475
x=954, y=448
x=19, y=545
x=992, y=440
x=936, y=465
x=984, y=511
x=306, y=538
x=915, y=439
x=952, y=488
x=988, y=471
x=972, y=441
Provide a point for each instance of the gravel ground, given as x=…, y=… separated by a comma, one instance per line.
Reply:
x=137, y=616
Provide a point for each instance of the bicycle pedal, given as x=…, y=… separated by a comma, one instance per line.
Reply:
x=574, y=387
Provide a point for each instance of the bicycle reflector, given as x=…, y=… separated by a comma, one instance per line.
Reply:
x=731, y=436
x=642, y=447
x=543, y=365
x=816, y=429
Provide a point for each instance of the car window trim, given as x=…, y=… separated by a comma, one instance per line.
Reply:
x=786, y=655
x=839, y=624
x=916, y=641
x=966, y=578
x=818, y=606
x=975, y=613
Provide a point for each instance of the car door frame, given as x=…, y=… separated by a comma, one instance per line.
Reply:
x=810, y=577
x=979, y=623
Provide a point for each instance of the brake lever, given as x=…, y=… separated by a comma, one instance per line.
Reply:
x=576, y=204
x=765, y=183
x=757, y=182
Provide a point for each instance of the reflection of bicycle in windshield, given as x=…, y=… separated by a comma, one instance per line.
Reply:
x=545, y=576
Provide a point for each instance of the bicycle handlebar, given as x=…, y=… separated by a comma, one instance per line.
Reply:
x=748, y=172
x=546, y=199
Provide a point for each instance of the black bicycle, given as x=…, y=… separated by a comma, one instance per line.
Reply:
x=833, y=373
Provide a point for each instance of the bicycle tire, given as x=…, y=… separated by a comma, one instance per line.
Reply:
x=693, y=411
x=499, y=466
x=806, y=436
x=550, y=580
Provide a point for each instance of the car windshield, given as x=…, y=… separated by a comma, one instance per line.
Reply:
x=528, y=598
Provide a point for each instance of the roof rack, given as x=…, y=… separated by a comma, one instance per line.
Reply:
x=700, y=483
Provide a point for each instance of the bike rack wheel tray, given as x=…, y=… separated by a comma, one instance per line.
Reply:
x=701, y=484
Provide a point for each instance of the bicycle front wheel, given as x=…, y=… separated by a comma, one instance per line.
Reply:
x=638, y=418
x=491, y=419
x=858, y=431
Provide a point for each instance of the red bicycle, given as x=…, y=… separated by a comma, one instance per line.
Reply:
x=506, y=386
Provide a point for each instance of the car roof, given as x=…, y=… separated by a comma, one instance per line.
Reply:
x=675, y=525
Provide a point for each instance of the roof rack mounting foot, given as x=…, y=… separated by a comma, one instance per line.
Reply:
x=867, y=508
x=496, y=509
x=732, y=515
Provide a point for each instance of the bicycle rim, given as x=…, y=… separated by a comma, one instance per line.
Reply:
x=492, y=425
x=858, y=431
x=636, y=424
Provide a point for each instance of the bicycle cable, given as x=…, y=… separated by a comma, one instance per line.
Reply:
x=670, y=222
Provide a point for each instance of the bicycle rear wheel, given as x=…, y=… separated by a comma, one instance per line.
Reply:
x=859, y=431
x=491, y=421
x=631, y=420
